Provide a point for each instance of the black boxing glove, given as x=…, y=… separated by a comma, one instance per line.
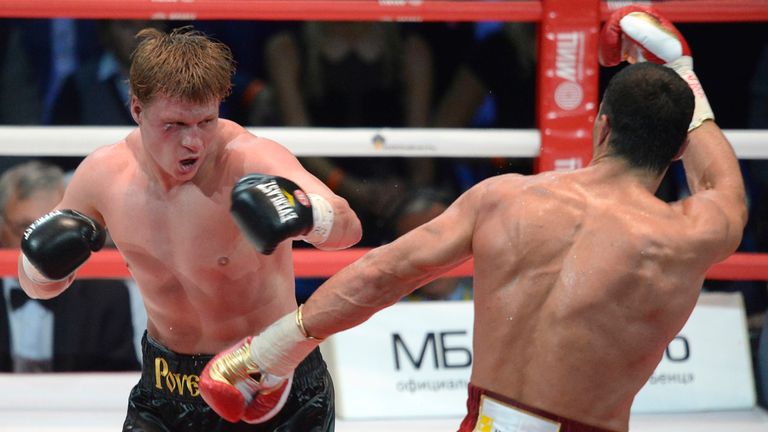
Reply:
x=56, y=244
x=272, y=209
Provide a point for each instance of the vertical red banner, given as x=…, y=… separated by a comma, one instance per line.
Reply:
x=568, y=82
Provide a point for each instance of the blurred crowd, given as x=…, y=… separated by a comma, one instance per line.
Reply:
x=325, y=74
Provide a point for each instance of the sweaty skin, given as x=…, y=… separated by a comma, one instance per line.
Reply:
x=164, y=194
x=581, y=278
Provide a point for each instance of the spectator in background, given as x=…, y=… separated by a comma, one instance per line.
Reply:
x=38, y=55
x=20, y=86
x=251, y=102
x=97, y=93
x=89, y=327
x=492, y=85
x=35, y=56
x=355, y=74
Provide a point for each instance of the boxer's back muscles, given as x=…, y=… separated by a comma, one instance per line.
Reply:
x=572, y=271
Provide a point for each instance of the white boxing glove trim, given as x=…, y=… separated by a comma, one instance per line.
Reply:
x=701, y=111
x=322, y=216
x=281, y=347
x=35, y=275
x=651, y=35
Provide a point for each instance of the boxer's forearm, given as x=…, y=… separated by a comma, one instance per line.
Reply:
x=710, y=162
x=353, y=295
x=385, y=274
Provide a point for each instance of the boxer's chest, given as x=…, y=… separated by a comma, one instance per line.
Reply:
x=191, y=232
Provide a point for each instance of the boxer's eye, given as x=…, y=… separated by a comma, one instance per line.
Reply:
x=170, y=127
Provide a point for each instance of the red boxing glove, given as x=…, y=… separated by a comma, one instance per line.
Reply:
x=251, y=380
x=268, y=402
x=638, y=33
x=235, y=387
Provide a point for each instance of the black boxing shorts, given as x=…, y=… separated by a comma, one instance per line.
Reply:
x=167, y=398
x=488, y=411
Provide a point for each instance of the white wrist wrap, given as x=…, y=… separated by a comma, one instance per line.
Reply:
x=702, y=111
x=322, y=216
x=281, y=347
x=34, y=274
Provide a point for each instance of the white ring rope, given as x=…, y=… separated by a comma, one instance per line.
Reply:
x=79, y=141
x=364, y=142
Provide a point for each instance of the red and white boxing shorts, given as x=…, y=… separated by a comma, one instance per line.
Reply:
x=491, y=412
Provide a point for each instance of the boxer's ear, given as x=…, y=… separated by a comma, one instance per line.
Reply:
x=682, y=150
x=136, y=109
x=602, y=131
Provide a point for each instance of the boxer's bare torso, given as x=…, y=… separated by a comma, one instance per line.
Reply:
x=581, y=279
x=203, y=284
x=164, y=195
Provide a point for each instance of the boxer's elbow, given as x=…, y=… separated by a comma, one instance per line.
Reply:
x=736, y=216
x=742, y=213
x=352, y=231
x=347, y=229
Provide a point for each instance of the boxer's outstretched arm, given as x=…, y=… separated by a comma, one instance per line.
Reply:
x=385, y=274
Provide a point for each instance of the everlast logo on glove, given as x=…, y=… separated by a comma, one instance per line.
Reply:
x=175, y=383
x=270, y=209
x=41, y=220
x=281, y=199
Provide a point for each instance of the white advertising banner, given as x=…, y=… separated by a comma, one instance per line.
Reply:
x=708, y=365
x=413, y=360
x=409, y=360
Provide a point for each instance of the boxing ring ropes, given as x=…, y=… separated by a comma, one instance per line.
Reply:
x=567, y=97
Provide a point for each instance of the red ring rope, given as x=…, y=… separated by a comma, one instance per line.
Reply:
x=314, y=263
x=359, y=10
x=319, y=10
x=705, y=10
